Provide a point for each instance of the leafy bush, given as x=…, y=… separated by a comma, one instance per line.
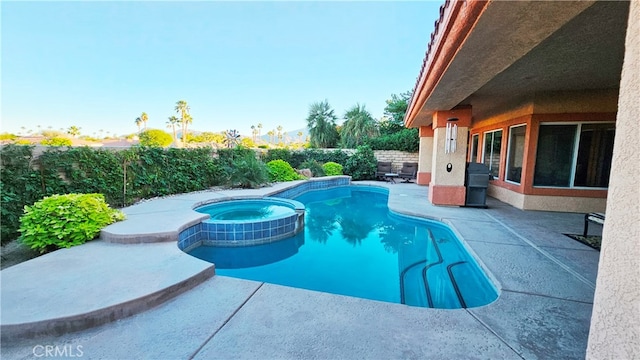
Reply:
x=404, y=140
x=8, y=136
x=332, y=168
x=294, y=158
x=245, y=171
x=155, y=138
x=56, y=141
x=63, y=221
x=337, y=156
x=362, y=165
x=123, y=177
x=280, y=170
x=315, y=167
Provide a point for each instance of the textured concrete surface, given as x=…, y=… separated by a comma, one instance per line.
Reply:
x=545, y=279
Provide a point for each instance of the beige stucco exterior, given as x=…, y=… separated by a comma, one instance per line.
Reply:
x=547, y=203
x=615, y=323
x=425, y=156
x=439, y=173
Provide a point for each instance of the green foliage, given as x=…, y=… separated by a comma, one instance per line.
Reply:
x=404, y=140
x=7, y=136
x=63, y=221
x=331, y=169
x=56, y=141
x=207, y=137
x=316, y=168
x=280, y=170
x=321, y=123
x=321, y=156
x=358, y=127
x=396, y=109
x=155, y=138
x=123, y=177
x=245, y=171
x=361, y=165
x=294, y=158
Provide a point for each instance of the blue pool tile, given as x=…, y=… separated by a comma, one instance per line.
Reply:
x=248, y=227
x=257, y=234
x=280, y=222
x=266, y=234
x=248, y=235
x=228, y=227
x=238, y=227
x=238, y=236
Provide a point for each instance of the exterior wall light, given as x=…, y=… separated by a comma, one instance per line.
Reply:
x=451, y=136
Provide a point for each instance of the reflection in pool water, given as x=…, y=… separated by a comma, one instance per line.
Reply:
x=354, y=246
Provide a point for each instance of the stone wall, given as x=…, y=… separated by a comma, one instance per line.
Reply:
x=395, y=157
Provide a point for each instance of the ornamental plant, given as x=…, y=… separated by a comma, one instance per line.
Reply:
x=362, y=165
x=331, y=168
x=316, y=168
x=280, y=170
x=63, y=221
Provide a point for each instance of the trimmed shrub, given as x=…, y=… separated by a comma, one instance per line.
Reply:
x=63, y=221
x=362, y=165
x=56, y=141
x=332, y=168
x=404, y=140
x=337, y=156
x=315, y=167
x=280, y=170
x=155, y=138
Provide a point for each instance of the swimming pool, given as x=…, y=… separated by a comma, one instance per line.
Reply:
x=353, y=245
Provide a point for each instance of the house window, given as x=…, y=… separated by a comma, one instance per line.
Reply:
x=492, y=147
x=515, y=154
x=473, y=157
x=574, y=155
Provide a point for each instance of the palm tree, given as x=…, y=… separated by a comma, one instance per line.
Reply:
x=300, y=135
x=173, y=121
x=279, y=133
x=144, y=117
x=138, y=123
x=183, y=108
x=74, y=131
x=271, y=133
x=321, y=123
x=253, y=132
x=359, y=126
x=259, y=129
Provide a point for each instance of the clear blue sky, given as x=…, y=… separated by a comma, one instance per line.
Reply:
x=99, y=65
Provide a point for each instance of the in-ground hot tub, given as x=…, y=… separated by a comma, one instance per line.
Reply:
x=244, y=222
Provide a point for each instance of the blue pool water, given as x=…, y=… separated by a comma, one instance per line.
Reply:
x=245, y=210
x=352, y=245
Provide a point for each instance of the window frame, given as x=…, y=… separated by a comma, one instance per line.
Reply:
x=507, y=168
x=484, y=146
x=473, y=152
x=574, y=160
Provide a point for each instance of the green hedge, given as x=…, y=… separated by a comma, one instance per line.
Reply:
x=123, y=177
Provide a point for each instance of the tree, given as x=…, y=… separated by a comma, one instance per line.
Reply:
x=300, y=133
x=144, y=118
x=253, y=132
x=183, y=108
x=74, y=131
x=271, y=133
x=171, y=123
x=259, y=129
x=394, y=112
x=232, y=138
x=138, y=123
x=321, y=123
x=279, y=133
x=155, y=138
x=358, y=127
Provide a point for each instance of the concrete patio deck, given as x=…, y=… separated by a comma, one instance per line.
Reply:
x=546, y=283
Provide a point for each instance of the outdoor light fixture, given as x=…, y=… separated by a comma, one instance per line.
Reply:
x=451, y=136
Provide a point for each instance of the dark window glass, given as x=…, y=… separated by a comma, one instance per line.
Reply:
x=516, y=153
x=555, y=155
x=474, y=148
x=492, y=147
x=594, y=155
